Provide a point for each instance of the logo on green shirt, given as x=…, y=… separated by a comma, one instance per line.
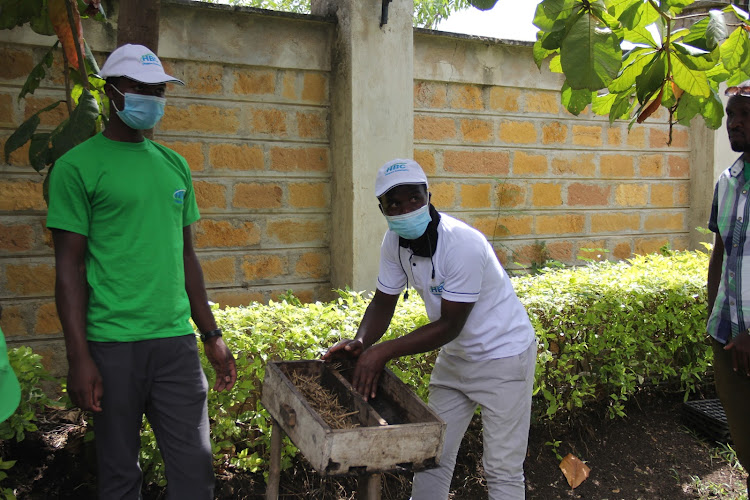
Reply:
x=179, y=196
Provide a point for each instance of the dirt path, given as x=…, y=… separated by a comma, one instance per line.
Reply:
x=649, y=455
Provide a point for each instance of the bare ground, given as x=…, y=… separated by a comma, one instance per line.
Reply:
x=648, y=455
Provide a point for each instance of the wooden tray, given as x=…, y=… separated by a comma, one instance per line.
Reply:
x=397, y=430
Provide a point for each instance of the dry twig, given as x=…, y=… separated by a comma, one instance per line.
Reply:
x=324, y=402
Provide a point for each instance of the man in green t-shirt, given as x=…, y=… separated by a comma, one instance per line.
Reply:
x=10, y=391
x=128, y=282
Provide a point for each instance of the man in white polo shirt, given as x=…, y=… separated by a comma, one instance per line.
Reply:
x=488, y=349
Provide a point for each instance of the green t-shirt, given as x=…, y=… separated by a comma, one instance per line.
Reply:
x=746, y=171
x=131, y=201
x=10, y=391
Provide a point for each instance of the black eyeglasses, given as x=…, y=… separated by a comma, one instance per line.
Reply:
x=740, y=91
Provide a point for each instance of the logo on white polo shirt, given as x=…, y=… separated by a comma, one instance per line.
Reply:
x=437, y=290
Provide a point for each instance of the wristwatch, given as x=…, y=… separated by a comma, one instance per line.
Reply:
x=213, y=333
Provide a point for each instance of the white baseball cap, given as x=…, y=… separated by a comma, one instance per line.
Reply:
x=396, y=173
x=137, y=63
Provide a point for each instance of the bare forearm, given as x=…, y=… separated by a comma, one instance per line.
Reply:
x=372, y=328
x=196, y=292
x=71, y=291
x=424, y=339
x=71, y=297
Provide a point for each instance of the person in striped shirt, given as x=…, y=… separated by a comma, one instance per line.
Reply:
x=728, y=291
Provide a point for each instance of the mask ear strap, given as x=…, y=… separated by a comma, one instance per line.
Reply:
x=118, y=91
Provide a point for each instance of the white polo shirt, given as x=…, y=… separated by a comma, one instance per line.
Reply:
x=466, y=270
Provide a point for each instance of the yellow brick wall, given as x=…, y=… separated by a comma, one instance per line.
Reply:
x=504, y=157
x=257, y=142
x=512, y=162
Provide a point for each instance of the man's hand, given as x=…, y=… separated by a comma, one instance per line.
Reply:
x=85, y=384
x=221, y=359
x=346, y=349
x=740, y=347
x=367, y=372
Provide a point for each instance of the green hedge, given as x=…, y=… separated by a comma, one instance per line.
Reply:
x=607, y=329
x=604, y=330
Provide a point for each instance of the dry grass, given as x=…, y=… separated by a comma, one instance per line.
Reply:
x=324, y=402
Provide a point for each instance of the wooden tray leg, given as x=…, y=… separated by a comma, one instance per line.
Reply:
x=274, y=473
x=368, y=487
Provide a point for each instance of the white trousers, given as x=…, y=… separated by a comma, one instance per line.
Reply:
x=502, y=389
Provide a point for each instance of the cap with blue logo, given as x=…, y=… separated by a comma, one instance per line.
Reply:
x=396, y=173
x=137, y=63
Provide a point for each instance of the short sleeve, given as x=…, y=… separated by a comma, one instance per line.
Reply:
x=190, y=211
x=465, y=271
x=391, y=276
x=69, y=204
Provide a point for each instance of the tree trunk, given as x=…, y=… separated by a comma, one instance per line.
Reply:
x=138, y=23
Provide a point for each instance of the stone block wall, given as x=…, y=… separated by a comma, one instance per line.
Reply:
x=256, y=137
x=506, y=157
x=255, y=123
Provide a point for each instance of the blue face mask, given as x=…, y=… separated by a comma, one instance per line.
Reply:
x=141, y=112
x=412, y=225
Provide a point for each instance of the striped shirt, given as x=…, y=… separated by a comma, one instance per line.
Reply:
x=730, y=215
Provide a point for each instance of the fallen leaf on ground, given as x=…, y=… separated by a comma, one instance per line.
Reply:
x=574, y=470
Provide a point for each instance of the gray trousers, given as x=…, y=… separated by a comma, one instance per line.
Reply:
x=163, y=379
x=502, y=389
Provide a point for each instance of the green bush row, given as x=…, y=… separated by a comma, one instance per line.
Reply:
x=603, y=330
x=606, y=329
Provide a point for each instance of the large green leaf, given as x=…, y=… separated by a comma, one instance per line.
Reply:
x=602, y=104
x=738, y=12
x=91, y=65
x=26, y=131
x=641, y=36
x=734, y=50
x=693, y=57
x=692, y=81
x=483, y=4
x=738, y=77
x=687, y=107
x=80, y=126
x=713, y=110
x=540, y=53
x=552, y=40
x=42, y=24
x=697, y=36
x=19, y=12
x=599, y=10
x=590, y=56
x=675, y=6
x=716, y=30
x=38, y=73
x=628, y=12
x=554, y=64
x=652, y=78
x=575, y=100
x=634, y=64
x=549, y=11
x=621, y=108
x=21, y=136
x=39, y=151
